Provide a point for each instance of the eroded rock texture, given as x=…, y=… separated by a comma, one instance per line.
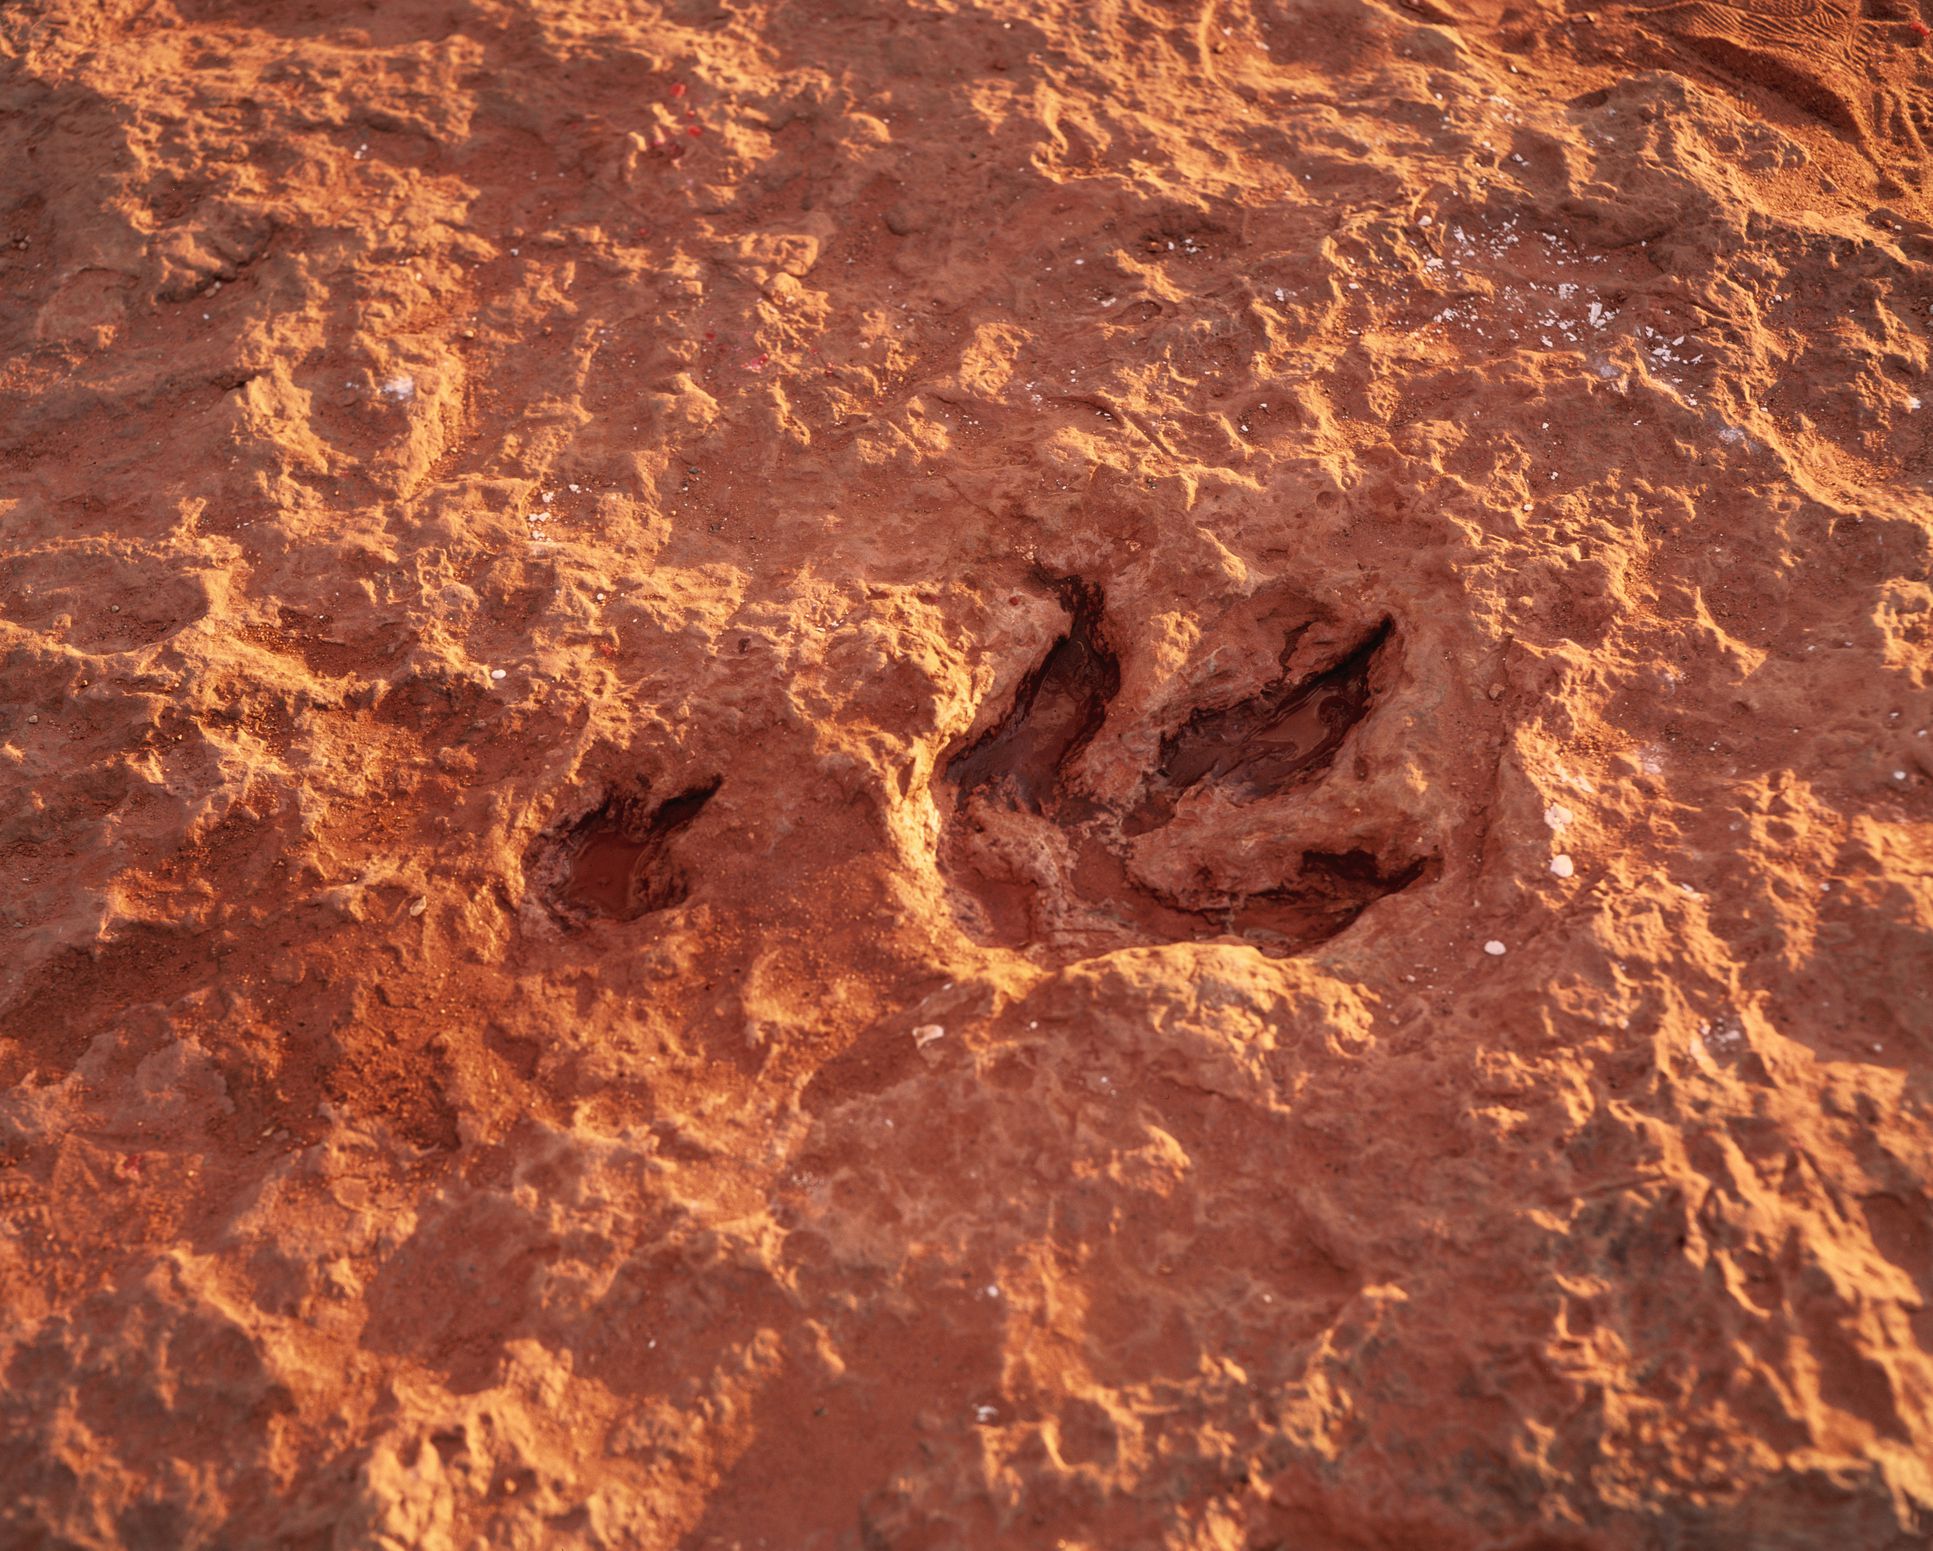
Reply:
x=1140, y=773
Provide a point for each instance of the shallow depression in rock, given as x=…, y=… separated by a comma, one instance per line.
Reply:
x=619, y=857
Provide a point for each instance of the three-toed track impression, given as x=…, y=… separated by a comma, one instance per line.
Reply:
x=1041, y=863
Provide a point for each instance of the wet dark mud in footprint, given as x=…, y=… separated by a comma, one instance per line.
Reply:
x=1045, y=866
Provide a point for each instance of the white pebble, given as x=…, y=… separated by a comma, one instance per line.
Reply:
x=1557, y=815
x=926, y=1033
x=1561, y=865
x=496, y=673
x=1495, y=949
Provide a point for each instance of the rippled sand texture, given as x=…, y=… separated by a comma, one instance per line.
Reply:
x=1089, y=775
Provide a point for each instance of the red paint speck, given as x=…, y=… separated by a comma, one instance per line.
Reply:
x=1920, y=29
x=694, y=130
x=677, y=88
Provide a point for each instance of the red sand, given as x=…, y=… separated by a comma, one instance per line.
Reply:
x=1331, y=600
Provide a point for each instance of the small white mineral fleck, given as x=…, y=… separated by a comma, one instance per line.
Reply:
x=1557, y=815
x=496, y=673
x=400, y=389
x=926, y=1033
x=1495, y=949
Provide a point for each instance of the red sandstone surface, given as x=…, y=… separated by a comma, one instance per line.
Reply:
x=1081, y=774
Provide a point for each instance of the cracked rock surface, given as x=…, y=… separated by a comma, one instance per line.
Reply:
x=1141, y=773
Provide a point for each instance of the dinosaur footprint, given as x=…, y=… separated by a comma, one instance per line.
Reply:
x=617, y=861
x=1041, y=864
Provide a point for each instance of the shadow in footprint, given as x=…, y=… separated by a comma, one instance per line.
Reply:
x=1056, y=712
x=1287, y=731
x=616, y=861
x=1044, y=865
